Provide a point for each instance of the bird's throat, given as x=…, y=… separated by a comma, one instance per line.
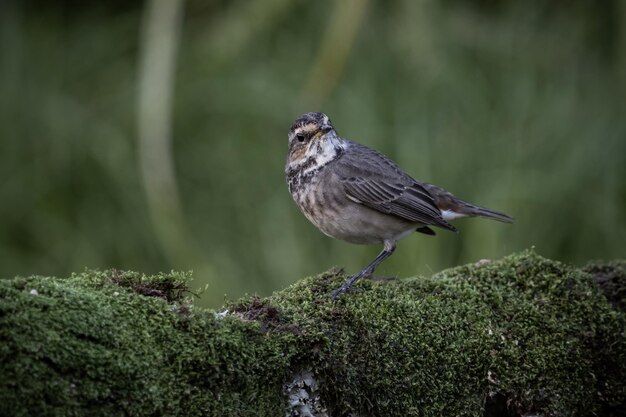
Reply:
x=318, y=154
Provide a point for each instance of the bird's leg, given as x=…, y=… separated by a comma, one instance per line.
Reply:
x=388, y=249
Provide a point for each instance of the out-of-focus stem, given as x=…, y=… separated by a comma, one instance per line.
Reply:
x=161, y=32
x=333, y=52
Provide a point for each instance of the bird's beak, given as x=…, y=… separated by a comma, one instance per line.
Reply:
x=326, y=128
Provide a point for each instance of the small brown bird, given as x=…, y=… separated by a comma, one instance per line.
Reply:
x=354, y=193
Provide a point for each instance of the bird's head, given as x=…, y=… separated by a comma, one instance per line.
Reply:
x=313, y=141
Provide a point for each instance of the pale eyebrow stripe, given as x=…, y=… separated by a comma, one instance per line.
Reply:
x=307, y=127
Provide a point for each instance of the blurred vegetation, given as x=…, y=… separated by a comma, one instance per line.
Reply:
x=518, y=106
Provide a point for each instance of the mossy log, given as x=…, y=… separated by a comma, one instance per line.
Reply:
x=519, y=336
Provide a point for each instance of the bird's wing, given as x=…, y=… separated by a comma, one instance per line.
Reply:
x=409, y=202
x=371, y=179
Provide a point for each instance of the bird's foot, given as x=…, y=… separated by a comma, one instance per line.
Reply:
x=347, y=286
x=381, y=279
x=344, y=289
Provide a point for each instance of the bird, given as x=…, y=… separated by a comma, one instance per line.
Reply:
x=354, y=193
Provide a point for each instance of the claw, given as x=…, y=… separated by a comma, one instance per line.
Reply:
x=390, y=246
x=344, y=289
x=381, y=279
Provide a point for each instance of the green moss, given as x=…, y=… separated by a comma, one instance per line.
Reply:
x=611, y=278
x=525, y=331
x=87, y=346
x=523, y=334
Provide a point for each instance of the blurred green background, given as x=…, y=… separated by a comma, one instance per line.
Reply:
x=152, y=135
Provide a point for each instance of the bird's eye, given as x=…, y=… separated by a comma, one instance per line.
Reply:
x=300, y=137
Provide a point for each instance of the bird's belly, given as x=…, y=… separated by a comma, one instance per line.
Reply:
x=338, y=217
x=364, y=226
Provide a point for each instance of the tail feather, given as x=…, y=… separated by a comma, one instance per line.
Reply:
x=476, y=211
x=453, y=207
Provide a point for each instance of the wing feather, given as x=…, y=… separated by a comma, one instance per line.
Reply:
x=407, y=202
x=371, y=179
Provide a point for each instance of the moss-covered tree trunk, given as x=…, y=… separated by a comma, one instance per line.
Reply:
x=520, y=335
